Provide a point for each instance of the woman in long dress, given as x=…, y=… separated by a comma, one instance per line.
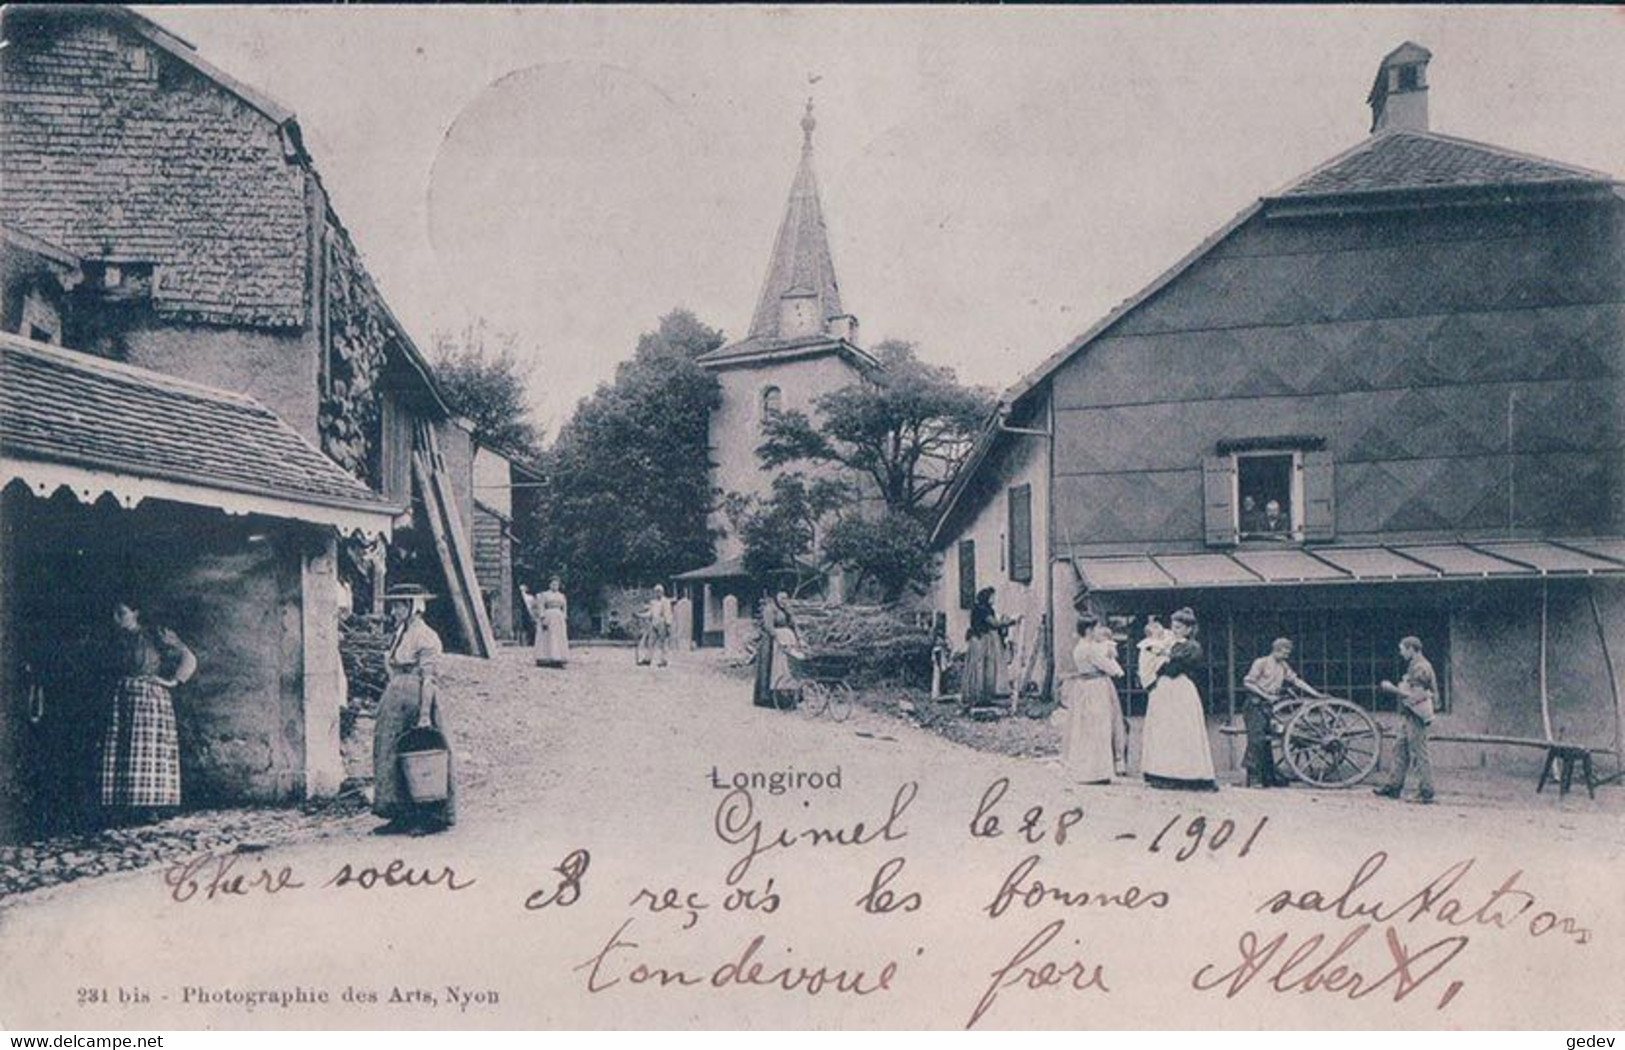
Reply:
x=1090, y=699
x=1175, y=752
x=984, y=651
x=550, y=610
x=776, y=634
x=414, y=655
x=140, y=774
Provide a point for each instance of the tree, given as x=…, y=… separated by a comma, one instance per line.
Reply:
x=890, y=552
x=781, y=533
x=906, y=428
x=629, y=488
x=485, y=383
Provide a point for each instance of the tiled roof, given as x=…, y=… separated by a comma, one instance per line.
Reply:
x=800, y=265
x=762, y=346
x=65, y=407
x=1399, y=161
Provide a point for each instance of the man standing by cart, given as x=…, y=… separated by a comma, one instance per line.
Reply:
x=1417, y=692
x=1266, y=684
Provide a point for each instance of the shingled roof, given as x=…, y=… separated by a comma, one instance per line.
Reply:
x=1407, y=161
x=59, y=406
x=800, y=266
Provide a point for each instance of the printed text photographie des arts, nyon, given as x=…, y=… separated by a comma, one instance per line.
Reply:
x=464, y=565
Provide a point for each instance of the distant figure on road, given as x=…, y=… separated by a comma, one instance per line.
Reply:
x=659, y=618
x=1266, y=683
x=412, y=698
x=551, y=611
x=1418, y=691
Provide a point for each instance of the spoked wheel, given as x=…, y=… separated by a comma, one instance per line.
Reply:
x=840, y=700
x=1280, y=714
x=1332, y=743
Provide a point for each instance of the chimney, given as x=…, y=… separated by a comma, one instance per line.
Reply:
x=844, y=326
x=1399, y=97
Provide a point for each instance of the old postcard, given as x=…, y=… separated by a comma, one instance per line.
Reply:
x=819, y=518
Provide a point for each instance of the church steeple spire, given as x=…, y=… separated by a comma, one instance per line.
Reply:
x=800, y=297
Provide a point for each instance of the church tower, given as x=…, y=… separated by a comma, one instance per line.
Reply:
x=801, y=344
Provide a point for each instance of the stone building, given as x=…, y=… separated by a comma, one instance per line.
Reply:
x=1416, y=352
x=211, y=514
x=801, y=344
x=207, y=248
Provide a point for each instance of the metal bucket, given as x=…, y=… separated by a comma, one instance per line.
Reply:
x=425, y=764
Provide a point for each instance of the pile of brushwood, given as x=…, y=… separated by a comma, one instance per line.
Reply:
x=874, y=643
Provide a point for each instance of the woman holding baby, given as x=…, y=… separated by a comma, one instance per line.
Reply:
x=1175, y=752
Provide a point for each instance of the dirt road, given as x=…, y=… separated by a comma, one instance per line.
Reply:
x=1156, y=910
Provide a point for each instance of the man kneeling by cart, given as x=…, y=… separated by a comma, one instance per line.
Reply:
x=1266, y=684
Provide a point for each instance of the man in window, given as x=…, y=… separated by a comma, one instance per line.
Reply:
x=1252, y=519
x=1275, y=523
x=1417, y=692
x=1266, y=683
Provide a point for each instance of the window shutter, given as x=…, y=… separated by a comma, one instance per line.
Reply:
x=1219, y=500
x=1319, y=496
x=967, y=573
x=1021, y=533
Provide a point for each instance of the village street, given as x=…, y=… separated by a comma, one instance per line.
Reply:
x=618, y=761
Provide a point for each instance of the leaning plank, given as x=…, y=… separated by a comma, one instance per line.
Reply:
x=484, y=638
x=448, y=566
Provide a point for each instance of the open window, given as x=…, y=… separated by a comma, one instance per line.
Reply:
x=1274, y=491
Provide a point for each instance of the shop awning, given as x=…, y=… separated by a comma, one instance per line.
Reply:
x=103, y=428
x=1510, y=559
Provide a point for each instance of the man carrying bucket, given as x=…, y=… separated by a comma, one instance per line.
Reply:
x=414, y=784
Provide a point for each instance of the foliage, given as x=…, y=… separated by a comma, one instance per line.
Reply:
x=780, y=533
x=629, y=489
x=484, y=382
x=906, y=428
x=890, y=551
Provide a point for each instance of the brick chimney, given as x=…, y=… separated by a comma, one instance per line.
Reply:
x=1399, y=97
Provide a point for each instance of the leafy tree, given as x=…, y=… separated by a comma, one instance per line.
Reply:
x=629, y=488
x=485, y=383
x=890, y=552
x=906, y=429
x=781, y=533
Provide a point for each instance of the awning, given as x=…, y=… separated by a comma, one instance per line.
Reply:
x=1309, y=566
x=727, y=569
x=95, y=427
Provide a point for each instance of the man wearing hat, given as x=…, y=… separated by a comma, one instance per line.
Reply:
x=410, y=700
x=1417, y=692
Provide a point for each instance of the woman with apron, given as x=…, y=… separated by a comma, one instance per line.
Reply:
x=140, y=774
x=411, y=699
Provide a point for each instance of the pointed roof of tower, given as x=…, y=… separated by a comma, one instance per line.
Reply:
x=799, y=268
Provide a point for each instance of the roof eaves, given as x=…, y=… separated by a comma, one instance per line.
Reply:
x=183, y=50
x=1024, y=385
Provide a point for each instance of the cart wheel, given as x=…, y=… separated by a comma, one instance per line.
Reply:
x=1280, y=714
x=840, y=701
x=1332, y=743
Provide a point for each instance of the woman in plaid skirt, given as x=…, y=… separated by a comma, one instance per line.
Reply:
x=141, y=758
